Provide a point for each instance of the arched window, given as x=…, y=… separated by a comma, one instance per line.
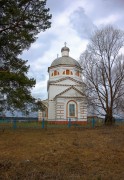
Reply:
x=77, y=73
x=67, y=72
x=63, y=72
x=55, y=73
x=71, y=109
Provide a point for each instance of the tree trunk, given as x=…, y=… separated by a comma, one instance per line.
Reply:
x=109, y=119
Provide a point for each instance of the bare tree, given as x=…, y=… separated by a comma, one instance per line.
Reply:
x=103, y=68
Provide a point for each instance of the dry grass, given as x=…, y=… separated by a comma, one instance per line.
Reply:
x=62, y=154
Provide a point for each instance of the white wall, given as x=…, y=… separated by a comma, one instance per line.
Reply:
x=51, y=110
x=57, y=107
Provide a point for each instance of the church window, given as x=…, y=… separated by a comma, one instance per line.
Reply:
x=55, y=73
x=71, y=109
x=77, y=73
x=67, y=72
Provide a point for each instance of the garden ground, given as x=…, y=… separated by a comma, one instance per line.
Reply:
x=62, y=154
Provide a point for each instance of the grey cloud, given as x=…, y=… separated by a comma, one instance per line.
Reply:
x=115, y=4
x=105, y=8
x=45, y=40
x=82, y=23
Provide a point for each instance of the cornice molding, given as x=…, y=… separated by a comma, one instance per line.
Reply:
x=64, y=85
x=64, y=65
x=66, y=78
x=70, y=97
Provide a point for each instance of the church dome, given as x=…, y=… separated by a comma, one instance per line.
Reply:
x=65, y=49
x=65, y=59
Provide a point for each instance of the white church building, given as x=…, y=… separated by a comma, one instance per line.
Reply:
x=66, y=99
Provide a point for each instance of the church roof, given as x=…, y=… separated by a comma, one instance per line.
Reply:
x=65, y=60
x=72, y=87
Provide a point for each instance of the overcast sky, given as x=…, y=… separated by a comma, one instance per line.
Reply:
x=73, y=22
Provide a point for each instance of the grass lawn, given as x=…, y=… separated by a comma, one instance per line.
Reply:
x=62, y=154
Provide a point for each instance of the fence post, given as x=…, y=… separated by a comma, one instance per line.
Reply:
x=14, y=124
x=43, y=123
x=93, y=122
x=69, y=123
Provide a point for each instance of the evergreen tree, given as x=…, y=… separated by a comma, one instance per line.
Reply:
x=21, y=21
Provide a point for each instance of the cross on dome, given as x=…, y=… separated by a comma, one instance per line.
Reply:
x=65, y=50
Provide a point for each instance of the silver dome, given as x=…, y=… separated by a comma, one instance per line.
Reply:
x=65, y=49
x=65, y=60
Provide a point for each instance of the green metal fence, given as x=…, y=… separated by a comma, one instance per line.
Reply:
x=22, y=123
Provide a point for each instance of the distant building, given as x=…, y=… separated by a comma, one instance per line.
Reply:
x=65, y=90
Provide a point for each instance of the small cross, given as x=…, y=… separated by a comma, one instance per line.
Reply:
x=65, y=44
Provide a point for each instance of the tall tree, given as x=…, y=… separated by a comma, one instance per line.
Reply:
x=103, y=68
x=21, y=21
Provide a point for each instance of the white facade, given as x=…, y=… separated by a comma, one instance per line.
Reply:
x=65, y=89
